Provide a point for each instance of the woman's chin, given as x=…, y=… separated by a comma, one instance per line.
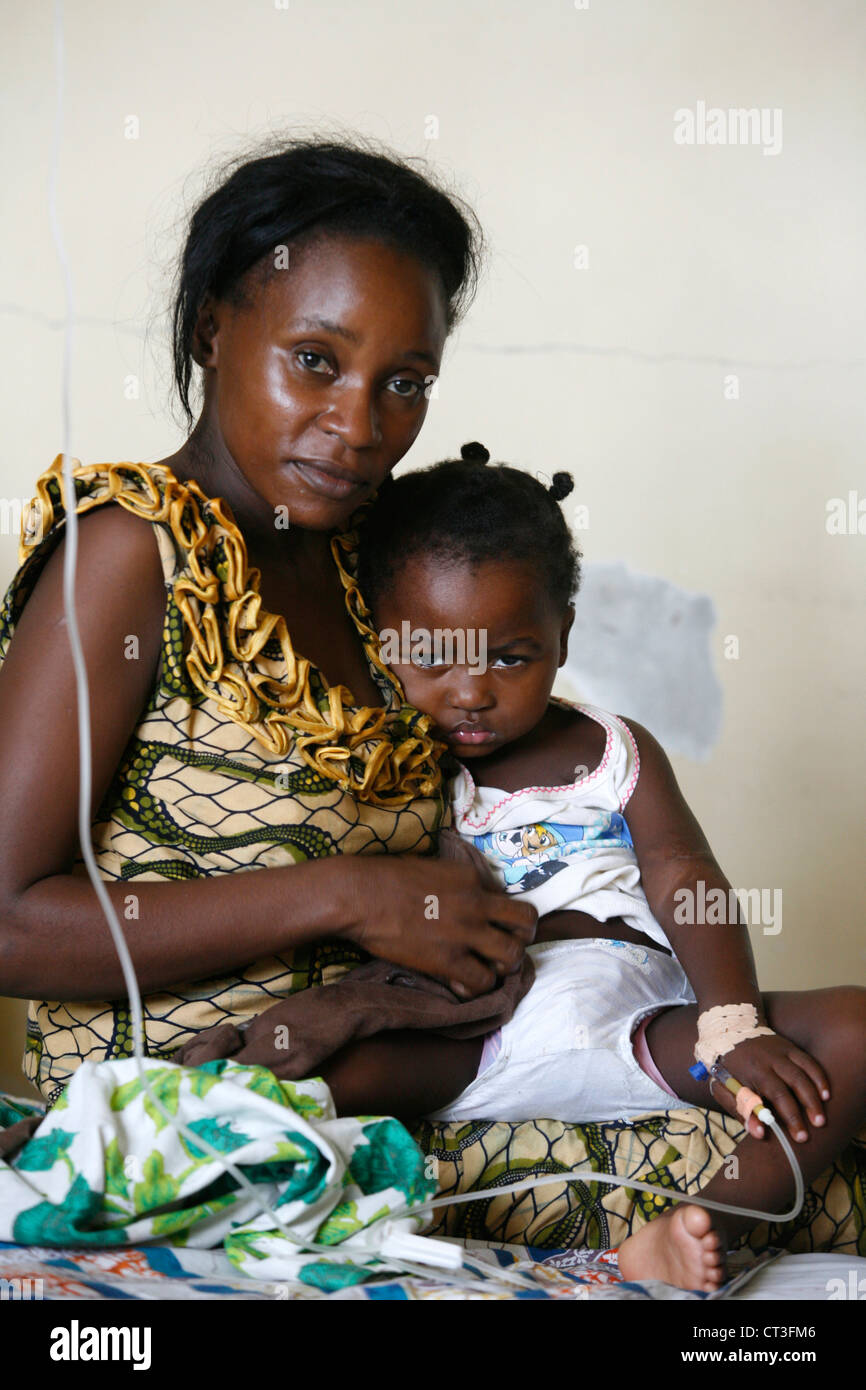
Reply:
x=315, y=514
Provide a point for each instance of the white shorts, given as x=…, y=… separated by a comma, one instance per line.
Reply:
x=567, y=1052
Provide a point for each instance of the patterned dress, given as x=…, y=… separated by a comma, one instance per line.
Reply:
x=244, y=758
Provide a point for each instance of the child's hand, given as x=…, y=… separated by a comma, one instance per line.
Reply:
x=786, y=1078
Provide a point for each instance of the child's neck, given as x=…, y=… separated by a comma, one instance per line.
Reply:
x=547, y=756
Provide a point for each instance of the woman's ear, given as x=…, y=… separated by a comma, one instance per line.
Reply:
x=563, y=636
x=205, y=335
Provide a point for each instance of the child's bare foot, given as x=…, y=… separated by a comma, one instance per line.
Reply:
x=681, y=1247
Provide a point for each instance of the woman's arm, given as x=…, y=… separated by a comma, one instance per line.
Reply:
x=674, y=855
x=54, y=941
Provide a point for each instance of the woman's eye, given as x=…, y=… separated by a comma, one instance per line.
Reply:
x=317, y=357
x=414, y=387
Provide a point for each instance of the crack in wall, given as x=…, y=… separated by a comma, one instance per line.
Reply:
x=509, y=349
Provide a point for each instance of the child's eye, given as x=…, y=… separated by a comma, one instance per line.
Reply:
x=427, y=660
x=520, y=661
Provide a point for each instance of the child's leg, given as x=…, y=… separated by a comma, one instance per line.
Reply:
x=402, y=1073
x=829, y=1024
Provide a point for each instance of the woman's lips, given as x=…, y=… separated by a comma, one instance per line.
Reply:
x=322, y=479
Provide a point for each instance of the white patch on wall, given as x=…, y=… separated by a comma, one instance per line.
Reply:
x=640, y=647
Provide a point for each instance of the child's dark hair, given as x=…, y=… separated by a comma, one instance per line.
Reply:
x=464, y=510
x=308, y=186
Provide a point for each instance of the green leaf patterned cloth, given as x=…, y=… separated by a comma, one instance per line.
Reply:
x=105, y=1168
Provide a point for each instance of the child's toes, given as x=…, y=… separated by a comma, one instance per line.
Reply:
x=698, y=1222
x=682, y=1248
x=713, y=1261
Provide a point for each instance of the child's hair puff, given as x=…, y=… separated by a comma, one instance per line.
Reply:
x=468, y=510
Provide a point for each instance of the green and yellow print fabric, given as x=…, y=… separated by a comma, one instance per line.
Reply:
x=680, y=1149
x=244, y=758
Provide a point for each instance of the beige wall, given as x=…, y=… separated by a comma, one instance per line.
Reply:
x=703, y=261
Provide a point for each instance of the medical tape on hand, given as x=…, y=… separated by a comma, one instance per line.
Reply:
x=720, y=1030
x=747, y=1102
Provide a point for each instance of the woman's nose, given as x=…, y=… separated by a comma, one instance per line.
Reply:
x=354, y=418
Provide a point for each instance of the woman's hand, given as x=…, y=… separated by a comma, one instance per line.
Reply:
x=784, y=1076
x=435, y=916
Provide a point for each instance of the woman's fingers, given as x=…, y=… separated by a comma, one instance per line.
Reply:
x=496, y=948
x=479, y=935
x=472, y=977
x=511, y=915
x=489, y=955
x=503, y=949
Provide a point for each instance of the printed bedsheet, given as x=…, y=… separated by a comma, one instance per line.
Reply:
x=551, y=1243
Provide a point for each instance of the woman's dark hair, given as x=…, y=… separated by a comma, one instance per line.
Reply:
x=308, y=186
x=466, y=511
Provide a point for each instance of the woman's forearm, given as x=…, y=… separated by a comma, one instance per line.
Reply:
x=55, y=941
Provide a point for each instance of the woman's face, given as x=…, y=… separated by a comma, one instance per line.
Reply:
x=316, y=384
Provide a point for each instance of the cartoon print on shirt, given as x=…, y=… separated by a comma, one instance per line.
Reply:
x=531, y=854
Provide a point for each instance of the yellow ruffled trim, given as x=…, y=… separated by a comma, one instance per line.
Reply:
x=394, y=774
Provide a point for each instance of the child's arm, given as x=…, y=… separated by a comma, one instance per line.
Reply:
x=673, y=855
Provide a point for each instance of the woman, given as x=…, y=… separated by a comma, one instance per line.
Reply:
x=242, y=718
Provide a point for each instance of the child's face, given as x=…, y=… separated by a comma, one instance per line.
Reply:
x=480, y=700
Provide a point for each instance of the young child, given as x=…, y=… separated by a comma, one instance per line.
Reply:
x=580, y=813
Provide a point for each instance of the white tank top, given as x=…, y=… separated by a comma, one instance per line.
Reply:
x=569, y=847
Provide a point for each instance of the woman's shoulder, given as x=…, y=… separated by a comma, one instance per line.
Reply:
x=193, y=538
x=127, y=554
x=144, y=491
x=125, y=570
x=127, y=551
